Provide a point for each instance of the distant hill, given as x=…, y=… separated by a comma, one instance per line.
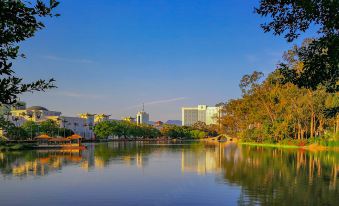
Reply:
x=175, y=122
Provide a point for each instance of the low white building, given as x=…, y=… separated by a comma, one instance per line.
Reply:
x=78, y=125
x=81, y=125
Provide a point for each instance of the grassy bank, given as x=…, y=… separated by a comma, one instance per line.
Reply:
x=269, y=145
x=313, y=147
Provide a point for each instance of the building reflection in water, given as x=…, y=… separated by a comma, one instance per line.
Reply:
x=37, y=162
x=209, y=158
x=230, y=161
x=43, y=162
x=267, y=176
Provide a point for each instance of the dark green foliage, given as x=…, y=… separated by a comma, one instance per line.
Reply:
x=320, y=57
x=30, y=130
x=184, y=132
x=19, y=20
x=124, y=129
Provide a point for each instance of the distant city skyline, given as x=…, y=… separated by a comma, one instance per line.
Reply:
x=110, y=58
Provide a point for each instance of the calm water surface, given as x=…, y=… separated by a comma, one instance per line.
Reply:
x=169, y=174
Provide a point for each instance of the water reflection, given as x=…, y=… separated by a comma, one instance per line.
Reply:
x=37, y=162
x=267, y=176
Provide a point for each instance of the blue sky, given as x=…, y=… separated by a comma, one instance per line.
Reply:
x=111, y=56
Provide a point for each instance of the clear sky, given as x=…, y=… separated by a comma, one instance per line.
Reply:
x=111, y=56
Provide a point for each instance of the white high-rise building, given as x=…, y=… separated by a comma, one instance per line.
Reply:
x=142, y=118
x=202, y=113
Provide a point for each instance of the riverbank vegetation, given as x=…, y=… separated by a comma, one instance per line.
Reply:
x=298, y=103
x=130, y=130
x=124, y=129
x=30, y=129
x=274, y=110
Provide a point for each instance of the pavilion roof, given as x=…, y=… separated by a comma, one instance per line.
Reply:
x=74, y=136
x=43, y=136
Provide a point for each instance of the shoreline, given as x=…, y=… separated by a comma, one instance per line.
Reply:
x=312, y=147
x=26, y=145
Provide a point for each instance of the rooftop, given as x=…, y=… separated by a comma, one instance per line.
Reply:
x=37, y=108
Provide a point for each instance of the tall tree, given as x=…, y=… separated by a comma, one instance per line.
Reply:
x=19, y=20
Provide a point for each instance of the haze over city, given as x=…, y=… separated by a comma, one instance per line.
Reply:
x=110, y=58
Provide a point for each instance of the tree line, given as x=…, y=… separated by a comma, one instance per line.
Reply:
x=30, y=129
x=127, y=130
x=274, y=109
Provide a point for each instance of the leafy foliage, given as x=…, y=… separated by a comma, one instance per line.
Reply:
x=197, y=131
x=19, y=20
x=320, y=56
x=124, y=129
x=272, y=111
x=48, y=127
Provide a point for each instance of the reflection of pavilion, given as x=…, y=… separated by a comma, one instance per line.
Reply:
x=44, y=162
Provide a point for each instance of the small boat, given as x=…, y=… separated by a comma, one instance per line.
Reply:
x=71, y=142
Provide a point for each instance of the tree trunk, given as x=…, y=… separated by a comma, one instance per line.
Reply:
x=337, y=125
x=312, y=125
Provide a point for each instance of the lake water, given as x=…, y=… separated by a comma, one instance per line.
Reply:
x=136, y=173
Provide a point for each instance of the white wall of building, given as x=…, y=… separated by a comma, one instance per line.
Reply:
x=142, y=118
x=80, y=125
x=202, y=113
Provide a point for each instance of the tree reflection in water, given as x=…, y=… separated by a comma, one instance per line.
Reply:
x=269, y=176
x=266, y=176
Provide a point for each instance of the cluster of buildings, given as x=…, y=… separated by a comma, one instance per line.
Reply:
x=142, y=117
x=83, y=123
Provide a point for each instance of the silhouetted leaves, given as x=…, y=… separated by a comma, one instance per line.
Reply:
x=320, y=57
x=19, y=20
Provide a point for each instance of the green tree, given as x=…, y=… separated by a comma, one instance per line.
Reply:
x=19, y=20
x=125, y=129
x=273, y=110
x=31, y=128
x=321, y=56
x=104, y=129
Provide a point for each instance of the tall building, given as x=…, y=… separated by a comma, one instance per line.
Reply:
x=201, y=113
x=142, y=118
